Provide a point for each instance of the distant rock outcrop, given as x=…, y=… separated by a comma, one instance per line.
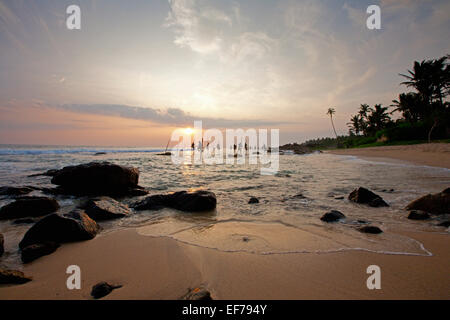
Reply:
x=55, y=228
x=28, y=207
x=97, y=179
x=365, y=196
x=296, y=148
x=191, y=201
x=437, y=204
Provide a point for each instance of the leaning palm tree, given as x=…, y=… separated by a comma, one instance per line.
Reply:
x=330, y=112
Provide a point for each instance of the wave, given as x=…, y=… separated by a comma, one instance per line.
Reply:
x=73, y=151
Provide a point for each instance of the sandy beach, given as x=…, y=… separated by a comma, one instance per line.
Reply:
x=162, y=268
x=432, y=154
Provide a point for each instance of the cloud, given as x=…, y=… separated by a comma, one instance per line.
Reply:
x=170, y=116
x=197, y=26
x=252, y=45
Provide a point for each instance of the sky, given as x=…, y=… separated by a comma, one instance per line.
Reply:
x=139, y=69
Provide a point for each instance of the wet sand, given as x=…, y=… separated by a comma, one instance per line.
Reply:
x=163, y=268
x=433, y=154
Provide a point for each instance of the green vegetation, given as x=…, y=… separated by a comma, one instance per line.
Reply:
x=424, y=115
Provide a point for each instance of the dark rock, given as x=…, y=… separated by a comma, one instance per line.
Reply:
x=28, y=207
x=34, y=251
x=97, y=178
x=370, y=229
x=362, y=221
x=438, y=203
x=364, y=196
x=2, y=241
x=418, y=215
x=102, y=289
x=444, y=224
x=99, y=153
x=13, y=277
x=23, y=221
x=191, y=201
x=15, y=191
x=48, y=173
x=55, y=228
x=253, y=200
x=197, y=294
x=332, y=216
x=105, y=208
x=339, y=198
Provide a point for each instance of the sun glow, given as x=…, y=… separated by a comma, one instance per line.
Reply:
x=189, y=131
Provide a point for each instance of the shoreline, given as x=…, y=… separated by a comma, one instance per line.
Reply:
x=163, y=268
x=432, y=154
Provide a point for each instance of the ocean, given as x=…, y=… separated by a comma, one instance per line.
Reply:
x=285, y=221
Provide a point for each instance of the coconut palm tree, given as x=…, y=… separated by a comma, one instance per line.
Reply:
x=355, y=124
x=330, y=112
x=420, y=78
x=410, y=105
x=378, y=118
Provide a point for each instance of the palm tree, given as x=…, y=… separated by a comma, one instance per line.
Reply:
x=420, y=78
x=410, y=105
x=379, y=118
x=330, y=112
x=355, y=124
x=363, y=118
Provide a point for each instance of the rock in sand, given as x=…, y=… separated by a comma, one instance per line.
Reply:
x=13, y=277
x=37, y=250
x=55, y=228
x=102, y=289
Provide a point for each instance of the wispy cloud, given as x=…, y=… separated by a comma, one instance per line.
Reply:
x=170, y=116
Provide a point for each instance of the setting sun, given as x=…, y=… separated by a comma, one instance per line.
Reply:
x=189, y=131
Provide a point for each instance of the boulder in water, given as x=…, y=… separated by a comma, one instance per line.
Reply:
x=418, y=215
x=98, y=179
x=253, y=200
x=28, y=207
x=55, y=228
x=105, y=208
x=15, y=191
x=365, y=196
x=190, y=201
x=332, y=216
x=437, y=204
x=370, y=229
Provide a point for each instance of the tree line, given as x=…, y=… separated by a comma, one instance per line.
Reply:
x=425, y=107
x=421, y=114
